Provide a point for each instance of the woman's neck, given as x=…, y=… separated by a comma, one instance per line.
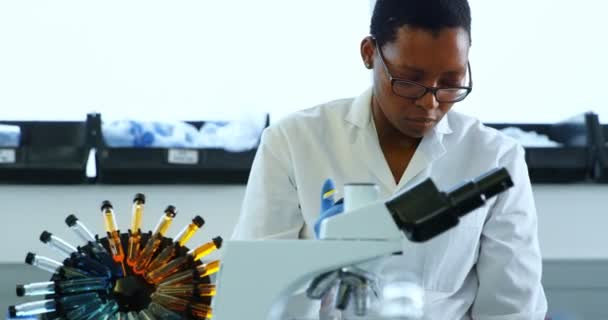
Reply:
x=387, y=133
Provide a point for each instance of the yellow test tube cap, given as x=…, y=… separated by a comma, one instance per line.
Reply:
x=139, y=197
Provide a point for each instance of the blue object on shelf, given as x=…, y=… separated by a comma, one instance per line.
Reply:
x=10, y=135
x=234, y=136
x=223, y=151
x=149, y=134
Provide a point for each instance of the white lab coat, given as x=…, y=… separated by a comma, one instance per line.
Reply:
x=488, y=268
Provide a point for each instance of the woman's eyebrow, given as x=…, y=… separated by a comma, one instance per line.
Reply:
x=412, y=69
x=459, y=72
x=409, y=68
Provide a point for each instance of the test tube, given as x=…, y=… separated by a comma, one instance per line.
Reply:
x=206, y=248
x=32, y=308
x=208, y=269
x=189, y=275
x=112, y=229
x=143, y=260
x=78, y=286
x=120, y=316
x=180, y=290
x=99, y=253
x=169, y=302
x=83, y=262
x=80, y=229
x=135, y=237
x=59, y=245
x=62, y=287
x=156, y=276
x=84, y=311
x=201, y=310
x=162, y=312
x=78, y=260
x=61, y=304
x=103, y=312
x=36, y=289
x=146, y=315
x=189, y=290
x=181, y=239
x=53, y=266
x=180, y=277
x=205, y=290
x=96, y=250
x=188, y=231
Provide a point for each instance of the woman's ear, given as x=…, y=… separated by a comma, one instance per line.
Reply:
x=368, y=50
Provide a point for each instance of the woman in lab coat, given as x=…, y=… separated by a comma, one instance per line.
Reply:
x=396, y=134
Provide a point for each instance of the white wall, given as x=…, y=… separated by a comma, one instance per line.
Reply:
x=540, y=60
x=177, y=60
x=28, y=210
x=572, y=218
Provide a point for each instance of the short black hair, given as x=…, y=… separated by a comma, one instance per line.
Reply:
x=431, y=15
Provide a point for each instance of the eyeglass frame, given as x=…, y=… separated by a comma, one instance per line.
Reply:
x=427, y=89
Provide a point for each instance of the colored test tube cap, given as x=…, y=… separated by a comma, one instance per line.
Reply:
x=12, y=311
x=198, y=221
x=20, y=290
x=30, y=257
x=171, y=211
x=218, y=241
x=106, y=205
x=45, y=236
x=139, y=197
x=71, y=220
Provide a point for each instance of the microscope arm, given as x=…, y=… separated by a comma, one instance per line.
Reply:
x=262, y=275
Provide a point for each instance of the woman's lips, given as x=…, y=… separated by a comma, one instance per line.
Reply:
x=421, y=122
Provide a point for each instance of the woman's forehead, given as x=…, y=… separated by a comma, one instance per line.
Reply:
x=415, y=48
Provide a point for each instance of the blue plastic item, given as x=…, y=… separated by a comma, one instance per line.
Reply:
x=329, y=207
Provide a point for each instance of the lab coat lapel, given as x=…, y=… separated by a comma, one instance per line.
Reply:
x=365, y=144
x=371, y=152
x=428, y=151
x=431, y=149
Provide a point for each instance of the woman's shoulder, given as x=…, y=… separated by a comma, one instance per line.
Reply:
x=328, y=111
x=468, y=129
x=316, y=118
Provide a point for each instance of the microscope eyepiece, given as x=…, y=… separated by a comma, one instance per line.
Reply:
x=473, y=194
x=424, y=212
x=494, y=182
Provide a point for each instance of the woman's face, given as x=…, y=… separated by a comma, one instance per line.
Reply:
x=433, y=59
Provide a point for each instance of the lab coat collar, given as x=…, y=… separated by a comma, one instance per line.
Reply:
x=359, y=113
x=430, y=149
